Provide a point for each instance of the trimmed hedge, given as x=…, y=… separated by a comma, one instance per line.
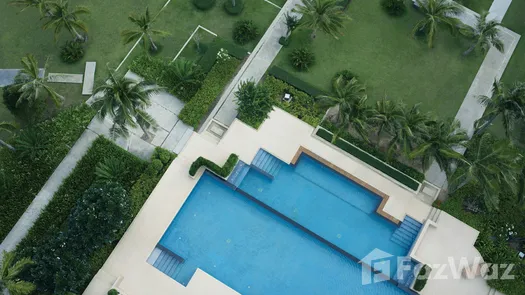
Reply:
x=282, y=74
x=421, y=282
x=223, y=171
x=208, y=59
x=326, y=135
x=25, y=178
x=204, y=4
x=218, y=78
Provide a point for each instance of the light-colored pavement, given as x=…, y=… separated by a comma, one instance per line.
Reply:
x=65, y=78
x=471, y=110
x=7, y=76
x=253, y=69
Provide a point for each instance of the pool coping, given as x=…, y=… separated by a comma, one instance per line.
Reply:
x=384, y=197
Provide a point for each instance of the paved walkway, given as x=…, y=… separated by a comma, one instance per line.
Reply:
x=253, y=69
x=471, y=110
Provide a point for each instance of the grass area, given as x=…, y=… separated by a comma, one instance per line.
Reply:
x=477, y=5
x=380, y=50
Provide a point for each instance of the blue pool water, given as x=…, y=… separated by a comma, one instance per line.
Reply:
x=256, y=251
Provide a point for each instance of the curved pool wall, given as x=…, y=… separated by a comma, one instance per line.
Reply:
x=307, y=242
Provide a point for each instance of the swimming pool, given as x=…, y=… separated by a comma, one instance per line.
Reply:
x=297, y=247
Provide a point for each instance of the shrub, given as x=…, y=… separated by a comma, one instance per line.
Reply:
x=27, y=177
x=208, y=60
x=217, y=79
x=326, y=135
x=302, y=59
x=233, y=10
x=285, y=76
x=244, y=31
x=204, y=4
x=422, y=277
x=110, y=170
x=254, y=103
x=302, y=105
x=284, y=41
x=72, y=51
x=394, y=7
x=113, y=292
x=346, y=75
x=223, y=171
x=32, y=144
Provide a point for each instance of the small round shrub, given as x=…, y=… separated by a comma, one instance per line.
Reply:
x=394, y=7
x=204, y=4
x=244, y=31
x=302, y=59
x=233, y=10
x=113, y=292
x=72, y=51
x=346, y=75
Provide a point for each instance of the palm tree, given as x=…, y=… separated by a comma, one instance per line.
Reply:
x=42, y=5
x=33, y=88
x=507, y=103
x=413, y=127
x=185, y=72
x=492, y=165
x=437, y=12
x=125, y=100
x=325, y=15
x=389, y=116
x=439, y=144
x=8, y=127
x=291, y=22
x=485, y=34
x=63, y=17
x=144, y=30
x=10, y=272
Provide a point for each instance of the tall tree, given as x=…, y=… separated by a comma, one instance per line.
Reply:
x=437, y=12
x=413, y=127
x=43, y=6
x=10, y=273
x=439, y=144
x=33, y=87
x=324, y=15
x=483, y=35
x=389, y=116
x=62, y=17
x=507, y=103
x=492, y=165
x=353, y=111
x=125, y=101
x=143, y=29
x=8, y=127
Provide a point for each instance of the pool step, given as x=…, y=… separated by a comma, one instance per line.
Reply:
x=267, y=163
x=407, y=232
x=168, y=263
x=238, y=173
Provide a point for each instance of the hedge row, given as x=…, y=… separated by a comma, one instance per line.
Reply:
x=282, y=74
x=53, y=217
x=371, y=160
x=208, y=59
x=302, y=105
x=217, y=79
x=223, y=171
x=24, y=177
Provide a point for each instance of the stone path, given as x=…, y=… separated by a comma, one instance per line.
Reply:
x=65, y=78
x=7, y=76
x=471, y=110
x=253, y=69
x=89, y=78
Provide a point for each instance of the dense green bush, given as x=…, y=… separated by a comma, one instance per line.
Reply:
x=302, y=105
x=61, y=264
x=72, y=52
x=208, y=59
x=204, y=4
x=113, y=292
x=394, y=7
x=285, y=76
x=302, y=59
x=254, y=103
x=346, y=75
x=284, y=41
x=245, y=31
x=231, y=9
x=217, y=79
x=223, y=171
x=26, y=177
x=422, y=277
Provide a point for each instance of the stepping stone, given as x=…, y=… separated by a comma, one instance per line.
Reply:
x=89, y=78
x=65, y=78
x=7, y=76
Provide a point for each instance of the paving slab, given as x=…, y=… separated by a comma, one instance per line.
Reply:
x=65, y=78
x=89, y=78
x=176, y=135
x=7, y=76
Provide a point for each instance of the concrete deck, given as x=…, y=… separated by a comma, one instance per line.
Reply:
x=282, y=135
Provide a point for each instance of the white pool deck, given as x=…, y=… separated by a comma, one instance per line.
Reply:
x=282, y=135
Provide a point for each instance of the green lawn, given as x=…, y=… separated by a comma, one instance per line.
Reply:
x=22, y=33
x=380, y=50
